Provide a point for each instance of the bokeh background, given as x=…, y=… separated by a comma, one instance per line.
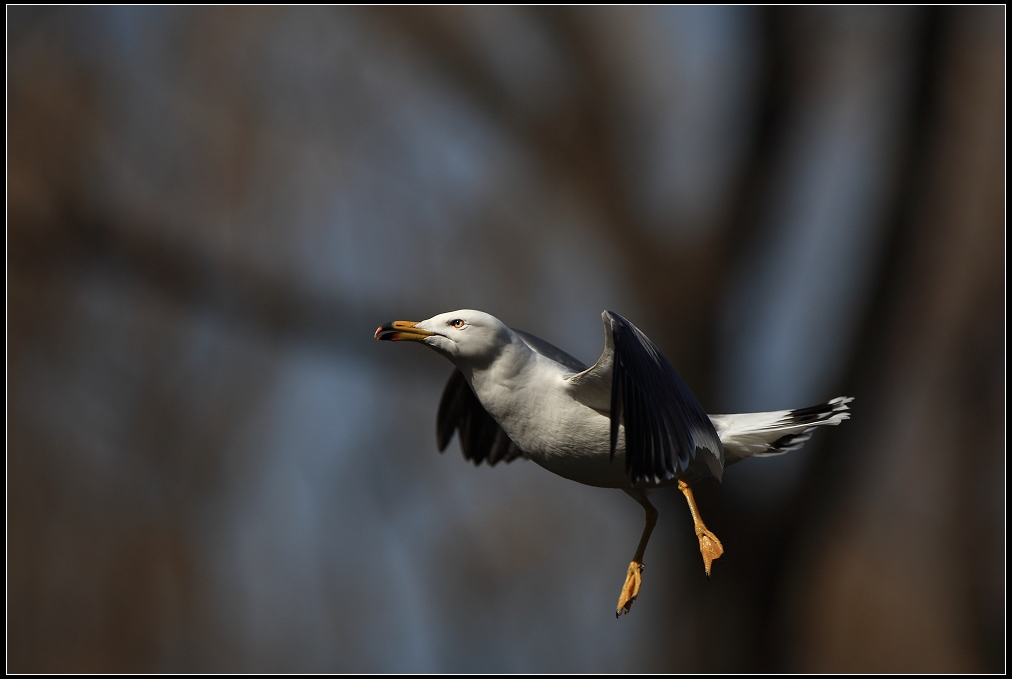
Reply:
x=211, y=465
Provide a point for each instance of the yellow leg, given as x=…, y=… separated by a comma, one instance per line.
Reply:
x=709, y=545
x=633, y=577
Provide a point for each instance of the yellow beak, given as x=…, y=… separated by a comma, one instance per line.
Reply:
x=400, y=331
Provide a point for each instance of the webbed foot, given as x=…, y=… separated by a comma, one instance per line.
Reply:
x=709, y=547
x=631, y=588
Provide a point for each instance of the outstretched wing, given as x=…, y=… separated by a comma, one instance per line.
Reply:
x=481, y=437
x=664, y=423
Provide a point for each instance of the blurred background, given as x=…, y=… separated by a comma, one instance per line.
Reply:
x=212, y=466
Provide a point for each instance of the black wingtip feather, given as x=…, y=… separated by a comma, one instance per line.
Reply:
x=664, y=423
x=452, y=408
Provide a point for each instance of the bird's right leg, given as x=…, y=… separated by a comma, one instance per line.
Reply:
x=633, y=577
x=709, y=545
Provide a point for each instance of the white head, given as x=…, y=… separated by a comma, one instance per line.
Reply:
x=465, y=336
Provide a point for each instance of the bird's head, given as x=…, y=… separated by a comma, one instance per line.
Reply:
x=467, y=336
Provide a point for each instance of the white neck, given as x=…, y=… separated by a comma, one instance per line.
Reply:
x=501, y=368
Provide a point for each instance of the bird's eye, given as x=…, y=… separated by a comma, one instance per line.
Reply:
x=458, y=323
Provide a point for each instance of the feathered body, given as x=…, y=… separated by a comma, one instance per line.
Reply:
x=527, y=395
x=628, y=421
x=531, y=399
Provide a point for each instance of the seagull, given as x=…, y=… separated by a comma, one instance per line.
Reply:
x=626, y=422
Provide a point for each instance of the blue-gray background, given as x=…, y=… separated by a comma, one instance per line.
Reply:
x=212, y=466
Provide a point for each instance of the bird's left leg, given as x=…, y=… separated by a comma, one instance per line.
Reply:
x=709, y=545
x=633, y=579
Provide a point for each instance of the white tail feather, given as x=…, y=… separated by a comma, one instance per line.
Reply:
x=775, y=433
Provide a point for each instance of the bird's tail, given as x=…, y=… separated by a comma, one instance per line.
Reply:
x=775, y=433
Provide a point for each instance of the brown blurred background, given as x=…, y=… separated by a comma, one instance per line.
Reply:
x=212, y=466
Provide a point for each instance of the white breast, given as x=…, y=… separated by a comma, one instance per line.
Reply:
x=532, y=405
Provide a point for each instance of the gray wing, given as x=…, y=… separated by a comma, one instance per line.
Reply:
x=664, y=423
x=481, y=437
x=551, y=351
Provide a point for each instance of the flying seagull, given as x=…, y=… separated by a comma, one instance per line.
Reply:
x=626, y=422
